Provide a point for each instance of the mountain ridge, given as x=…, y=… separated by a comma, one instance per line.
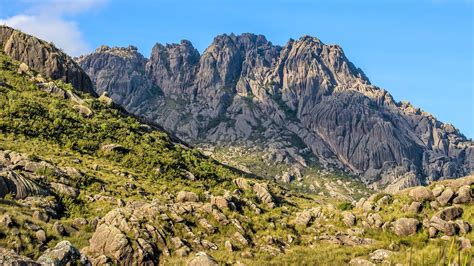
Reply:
x=84, y=183
x=299, y=91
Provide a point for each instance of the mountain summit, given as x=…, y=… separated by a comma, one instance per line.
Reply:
x=301, y=104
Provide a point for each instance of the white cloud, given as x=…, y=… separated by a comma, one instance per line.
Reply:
x=46, y=20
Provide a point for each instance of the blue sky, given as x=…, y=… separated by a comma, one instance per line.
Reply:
x=420, y=51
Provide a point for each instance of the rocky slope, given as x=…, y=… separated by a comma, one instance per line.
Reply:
x=299, y=105
x=83, y=183
x=43, y=57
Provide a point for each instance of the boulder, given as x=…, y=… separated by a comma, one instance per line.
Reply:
x=448, y=228
x=220, y=202
x=6, y=220
x=380, y=255
x=228, y=246
x=186, y=196
x=450, y=213
x=9, y=257
x=114, y=148
x=421, y=194
x=65, y=190
x=40, y=215
x=349, y=219
x=241, y=239
x=105, y=99
x=202, y=259
x=79, y=222
x=437, y=190
x=19, y=186
x=406, y=226
x=304, y=217
x=465, y=243
x=108, y=240
x=83, y=110
x=360, y=262
x=64, y=253
x=415, y=207
x=242, y=183
x=445, y=197
x=432, y=232
x=464, y=227
x=261, y=189
x=59, y=228
x=23, y=69
x=41, y=236
x=464, y=195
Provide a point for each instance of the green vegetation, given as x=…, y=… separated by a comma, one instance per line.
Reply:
x=150, y=166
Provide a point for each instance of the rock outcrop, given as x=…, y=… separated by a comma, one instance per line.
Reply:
x=299, y=103
x=43, y=57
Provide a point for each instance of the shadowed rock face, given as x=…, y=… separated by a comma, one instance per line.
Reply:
x=44, y=58
x=299, y=102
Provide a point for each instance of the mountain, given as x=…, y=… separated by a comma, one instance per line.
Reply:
x=83, y=182
x=43, y=57
x=288, y=108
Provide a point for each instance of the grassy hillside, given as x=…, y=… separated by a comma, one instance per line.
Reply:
x=80, y=169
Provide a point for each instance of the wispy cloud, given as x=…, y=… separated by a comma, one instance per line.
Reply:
x=52, y=20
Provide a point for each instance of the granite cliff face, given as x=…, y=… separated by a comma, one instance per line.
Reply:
x=300, y=104
x=44, y=58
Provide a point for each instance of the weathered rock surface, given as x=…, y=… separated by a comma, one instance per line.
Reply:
x=202, y=259
x=64, y=253
x=44, y=58
x=9, y=257
x=406, y=226
x=303, y=101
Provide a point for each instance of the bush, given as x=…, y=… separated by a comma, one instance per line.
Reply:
x=345, y=206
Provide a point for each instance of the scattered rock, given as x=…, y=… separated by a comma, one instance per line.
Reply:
x=105, y=99
x=448, y=228
x=59, y=228
x=437, y=190
x=263, y=194
x=65, y=190
x=360, y=262
x=465, y=243
x=450, y=213
x=9, y=257
x=415, y=207
x=349, y=219
x=64, y=253
x=79, y=222
x=83, y=110
x=464, y=227
x=406, y=226
x=185, y=196
x=41, y=236
x=242, y=183
x=6, y=220
x=380, y=255
x=220, y=202
x=421, y=194
x=23, y=69
x=114, y=148
x=445, y=197
x=202, y=259
x=241, y=239
x=40, y=215
x=228, y=246
x=108, y=240
x=464, y=195
x=432, y=232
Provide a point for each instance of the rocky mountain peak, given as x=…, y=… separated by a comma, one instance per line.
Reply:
x=298, y=105
x=43, y=57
